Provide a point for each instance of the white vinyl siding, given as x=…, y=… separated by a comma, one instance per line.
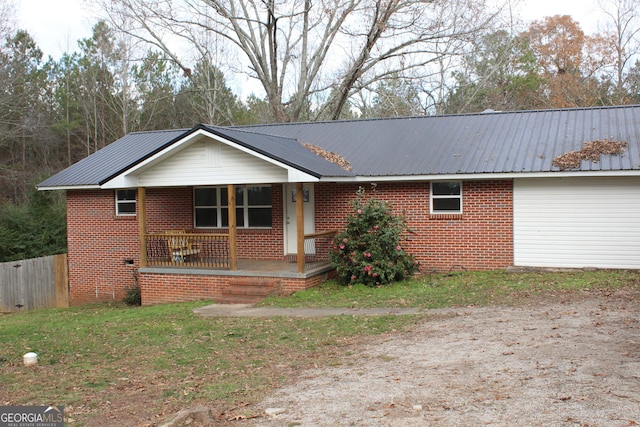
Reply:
x=577, y=222
x=206, y=162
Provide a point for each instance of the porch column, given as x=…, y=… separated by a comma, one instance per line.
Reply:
x=300, y=225
x=233, y=248
x=142, y=225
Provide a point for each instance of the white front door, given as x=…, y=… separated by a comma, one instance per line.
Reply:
x=290, y=229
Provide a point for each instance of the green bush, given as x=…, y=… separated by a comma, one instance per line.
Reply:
x=35, y=228
x=133, y=294
x=370, y=250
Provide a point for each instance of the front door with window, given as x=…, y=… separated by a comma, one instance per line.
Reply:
x=290, y=215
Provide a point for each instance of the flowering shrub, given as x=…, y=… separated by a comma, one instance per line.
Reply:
x=369, y=250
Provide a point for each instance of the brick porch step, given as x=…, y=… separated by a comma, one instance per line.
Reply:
x=248, y=291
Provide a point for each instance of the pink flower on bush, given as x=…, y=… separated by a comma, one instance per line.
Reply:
x=367, y=254
x=359, y=211
x=341, y=246
x=399, y=248
x=367, y=268
x=353, y=278
x=376, y=227
x=375, y=274
x=345, y=240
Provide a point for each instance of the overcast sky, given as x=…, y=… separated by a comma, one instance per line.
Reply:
x=57, y=25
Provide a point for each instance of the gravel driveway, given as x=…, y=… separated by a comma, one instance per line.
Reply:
x=554, y=363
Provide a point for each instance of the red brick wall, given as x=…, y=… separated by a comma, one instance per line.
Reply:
x=164, y=288
x=100, y=242
x=172, y=209
x=480, y=238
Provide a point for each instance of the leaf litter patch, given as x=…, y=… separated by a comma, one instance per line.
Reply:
x=592, y=151
x=334, y=158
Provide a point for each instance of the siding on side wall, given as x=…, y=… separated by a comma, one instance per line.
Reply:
x=577, y=222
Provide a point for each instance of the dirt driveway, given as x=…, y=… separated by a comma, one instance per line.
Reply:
x=553, y=363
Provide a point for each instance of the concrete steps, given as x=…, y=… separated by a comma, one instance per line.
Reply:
x=248, y=290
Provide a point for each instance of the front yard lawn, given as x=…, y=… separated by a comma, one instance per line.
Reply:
x=116, y=365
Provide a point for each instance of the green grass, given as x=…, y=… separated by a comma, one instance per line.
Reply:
x=455, y=289
x=150, y=361
x=165, y=357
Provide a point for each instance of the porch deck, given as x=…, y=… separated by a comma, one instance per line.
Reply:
x=179, y=266
x=251, y=268
x=252, y=281
x=215, y=253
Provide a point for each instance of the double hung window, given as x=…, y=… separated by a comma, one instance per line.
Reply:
x=253, y=207
x=446, y=197
x=126, y=202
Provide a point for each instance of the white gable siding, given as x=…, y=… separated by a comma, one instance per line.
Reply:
x=210, y=162
x=577, y=222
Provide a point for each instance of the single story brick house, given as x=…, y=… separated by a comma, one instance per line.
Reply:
x=194, y=213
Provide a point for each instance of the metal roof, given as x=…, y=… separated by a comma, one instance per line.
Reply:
x=503, y=142
x=283, y=149
x=483, y=143
x=113, y=159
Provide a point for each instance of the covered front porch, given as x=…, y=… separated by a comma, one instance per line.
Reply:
x=187, y=263
x=179, y=249
x=214, y=211
x=218, y=250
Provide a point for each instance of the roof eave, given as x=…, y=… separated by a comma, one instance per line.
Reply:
x=147, y=156
x=478, y=176
x=66, y=187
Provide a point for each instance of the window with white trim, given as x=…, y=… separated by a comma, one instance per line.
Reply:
x=446, y=197
x=211, y=207
x=126, y=202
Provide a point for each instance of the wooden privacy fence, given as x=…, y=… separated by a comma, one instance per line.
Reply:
x=34, y=283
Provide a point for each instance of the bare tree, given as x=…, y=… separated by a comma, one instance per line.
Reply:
x=325, y=51
x=623, y=18
x=7, y=17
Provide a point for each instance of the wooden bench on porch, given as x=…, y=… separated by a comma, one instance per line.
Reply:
x=180, y=246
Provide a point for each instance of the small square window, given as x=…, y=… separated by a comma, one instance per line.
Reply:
x=126, y=202
x=446, y=197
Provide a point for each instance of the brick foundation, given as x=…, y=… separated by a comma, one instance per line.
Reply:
x=163, y=288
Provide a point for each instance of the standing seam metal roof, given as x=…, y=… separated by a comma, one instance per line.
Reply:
x=483, y=143
x=507, y=142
